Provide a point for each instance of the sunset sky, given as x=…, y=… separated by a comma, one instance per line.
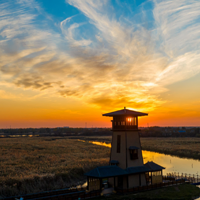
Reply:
x=65, y=62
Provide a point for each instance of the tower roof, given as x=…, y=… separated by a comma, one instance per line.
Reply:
x=106, y=171
x=137, y=170
x=125, y=112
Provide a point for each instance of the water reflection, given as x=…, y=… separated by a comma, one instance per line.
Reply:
x=101, y=143
x=98, y=143
x=171, y=163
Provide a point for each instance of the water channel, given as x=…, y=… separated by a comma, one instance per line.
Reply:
x=171, y=163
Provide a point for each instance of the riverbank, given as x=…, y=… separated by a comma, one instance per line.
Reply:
x=183, y=147
x=178, y=192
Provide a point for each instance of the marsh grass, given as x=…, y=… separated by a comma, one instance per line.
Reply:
x=178, y=192
x=181, y=147
x=31, y=165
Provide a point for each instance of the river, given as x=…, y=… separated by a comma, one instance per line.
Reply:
x=171, y=163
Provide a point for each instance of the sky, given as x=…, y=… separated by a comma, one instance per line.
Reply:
x=66, y=62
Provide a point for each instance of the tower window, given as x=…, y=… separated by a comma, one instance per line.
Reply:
x=118, y=143
x=133, y=154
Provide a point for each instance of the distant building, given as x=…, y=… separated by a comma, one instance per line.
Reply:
x=182, y=131
x=63, y=127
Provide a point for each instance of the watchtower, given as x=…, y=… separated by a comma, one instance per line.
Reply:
x=126, y=168
x=126, y=147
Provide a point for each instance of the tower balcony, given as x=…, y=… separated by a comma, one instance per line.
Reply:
x=124, y=127
x=124, y=123
x=125, y=119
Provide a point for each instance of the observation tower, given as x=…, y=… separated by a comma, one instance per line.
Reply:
x=126, y=168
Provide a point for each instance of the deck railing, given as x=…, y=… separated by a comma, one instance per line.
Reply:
x=192, y=178
x=124, y=127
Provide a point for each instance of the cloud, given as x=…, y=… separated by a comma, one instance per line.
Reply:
x=178, y=27
x=120, y=63
x=33, y=81
x=7, y=95
x=68, y=32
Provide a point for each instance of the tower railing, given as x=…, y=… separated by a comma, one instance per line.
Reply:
x=124, y=127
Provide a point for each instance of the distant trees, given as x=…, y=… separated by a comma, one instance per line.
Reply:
x=55, y=131
x=170, y=132
x=155, y=131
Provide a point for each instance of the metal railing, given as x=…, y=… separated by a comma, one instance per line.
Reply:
x=192, y=178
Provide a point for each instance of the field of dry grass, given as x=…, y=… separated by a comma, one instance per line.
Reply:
x=29, y=165
x=176, y=192
x=182, y=147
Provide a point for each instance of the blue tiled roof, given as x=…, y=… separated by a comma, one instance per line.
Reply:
x=106, y=171
x=153, y=166
x=137, y=170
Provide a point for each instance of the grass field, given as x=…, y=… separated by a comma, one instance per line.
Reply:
x=179, y=192
x=29, y=165
x=181, y=147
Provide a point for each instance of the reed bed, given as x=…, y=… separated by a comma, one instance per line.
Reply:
x=181, y=146
x=29, y=165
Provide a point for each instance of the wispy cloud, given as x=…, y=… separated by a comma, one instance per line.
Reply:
x=178, y=27
x=120, y=63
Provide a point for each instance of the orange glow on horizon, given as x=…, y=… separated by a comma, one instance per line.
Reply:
x=32, y=117
x=55, y=112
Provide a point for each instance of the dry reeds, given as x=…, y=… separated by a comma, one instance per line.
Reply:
x=31, y=165
x=182, y=147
